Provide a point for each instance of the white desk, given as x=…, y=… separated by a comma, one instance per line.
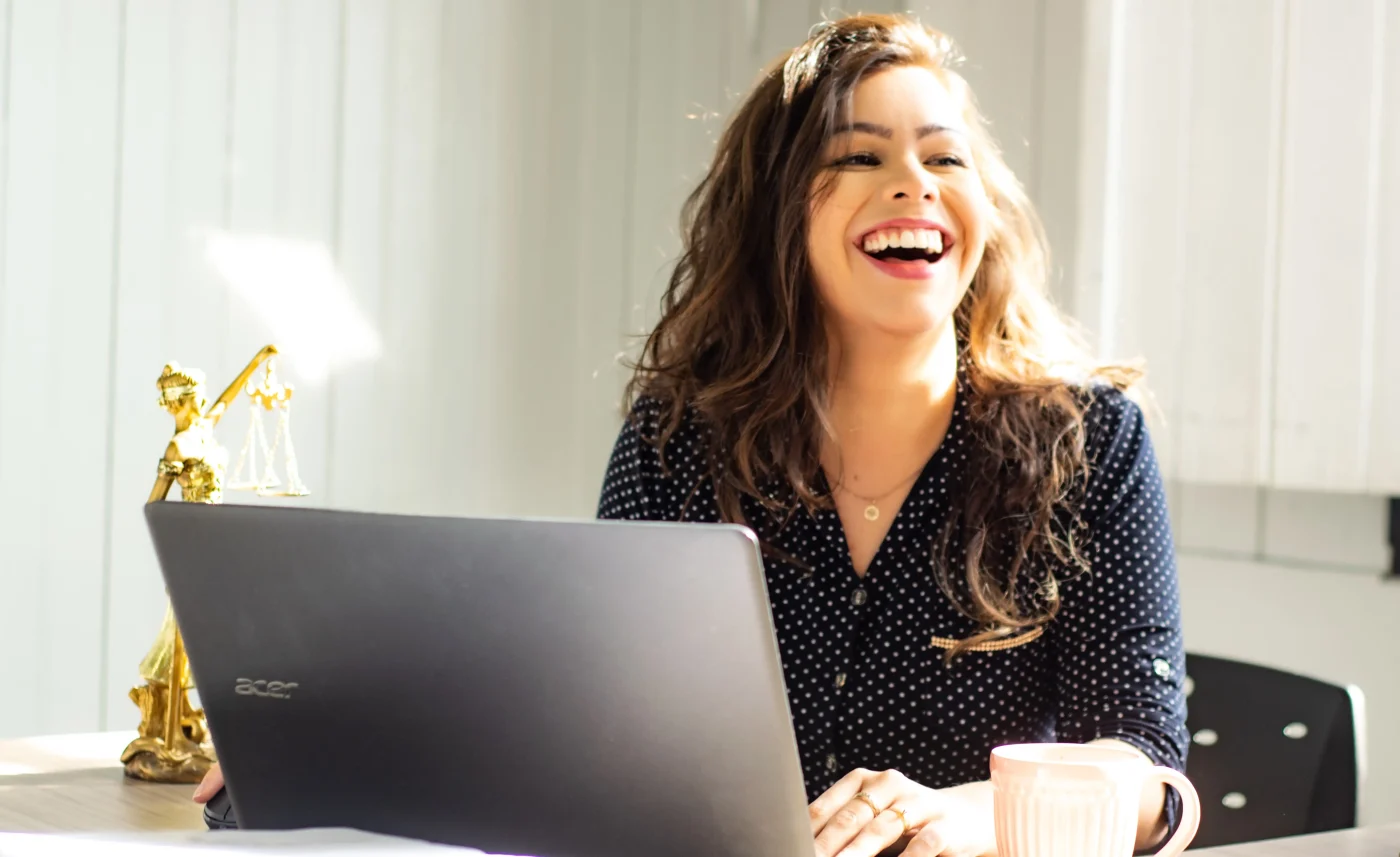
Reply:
x=74, y=783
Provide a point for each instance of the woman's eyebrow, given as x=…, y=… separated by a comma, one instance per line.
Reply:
x=881, y=131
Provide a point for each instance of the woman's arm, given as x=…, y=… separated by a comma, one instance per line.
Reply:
x=1120, y=659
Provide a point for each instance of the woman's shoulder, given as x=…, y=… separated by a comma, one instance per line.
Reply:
x=1106, y=406
x=1113, y=417
x=1118, y=449
x=652, y=415
x=657, y=463
x=1109, y=414
x=645, y=414
x=673, y=437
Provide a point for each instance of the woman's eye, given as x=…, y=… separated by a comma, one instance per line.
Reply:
x=867, y=159
x=859, y=159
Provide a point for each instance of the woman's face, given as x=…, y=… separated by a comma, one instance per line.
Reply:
x=896, y=241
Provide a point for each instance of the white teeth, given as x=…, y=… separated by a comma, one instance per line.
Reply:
x=923, y=239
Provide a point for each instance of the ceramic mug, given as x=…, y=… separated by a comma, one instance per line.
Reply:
x=1079, y=800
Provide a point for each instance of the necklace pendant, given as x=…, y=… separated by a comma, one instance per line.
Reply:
x=872, y=513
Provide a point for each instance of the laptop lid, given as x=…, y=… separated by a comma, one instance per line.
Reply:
x=553, y=688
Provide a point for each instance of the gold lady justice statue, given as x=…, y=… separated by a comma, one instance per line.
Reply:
x=173, y=743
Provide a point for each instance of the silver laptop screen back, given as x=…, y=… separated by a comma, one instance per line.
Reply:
x=525, y=687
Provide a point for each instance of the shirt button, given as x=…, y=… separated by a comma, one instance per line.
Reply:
x=831, y=762
x=1161, y=668
x=840, y=680
x=858, y=597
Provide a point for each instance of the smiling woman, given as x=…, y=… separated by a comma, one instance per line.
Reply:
x=857, y=358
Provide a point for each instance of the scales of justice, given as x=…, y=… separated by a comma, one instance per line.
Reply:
x=173, y=744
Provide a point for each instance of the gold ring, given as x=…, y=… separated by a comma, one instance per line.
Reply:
x=869, y=801
x=902, y=818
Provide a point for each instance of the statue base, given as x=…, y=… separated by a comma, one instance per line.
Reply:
x=150, y=757
x=142, y=761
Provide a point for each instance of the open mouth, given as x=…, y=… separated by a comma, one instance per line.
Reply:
x=904, y=245
x=906, y=251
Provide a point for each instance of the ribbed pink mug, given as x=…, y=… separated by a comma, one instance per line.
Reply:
x=1079, y=800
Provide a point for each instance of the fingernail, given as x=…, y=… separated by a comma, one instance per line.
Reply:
x=199, y=793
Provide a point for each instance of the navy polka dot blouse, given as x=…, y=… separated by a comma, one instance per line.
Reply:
x=863, y=658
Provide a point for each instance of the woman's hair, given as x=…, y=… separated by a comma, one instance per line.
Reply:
x=741, y=343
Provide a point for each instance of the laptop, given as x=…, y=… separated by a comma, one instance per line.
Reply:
x=535, y=687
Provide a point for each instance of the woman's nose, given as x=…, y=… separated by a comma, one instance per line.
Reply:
x=930, y=194
x=915, y=183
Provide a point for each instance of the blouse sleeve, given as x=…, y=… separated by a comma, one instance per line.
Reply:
x=1117, y=638
x=629, y=490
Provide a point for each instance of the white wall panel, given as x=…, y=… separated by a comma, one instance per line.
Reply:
x=23, y=309
x=62, y=124
x=257, y=104
x=599, y=157
x=772, y=29
x=680, y=102
x=501, y=220
x=1323, y=355
x=282, y=185
x=135, y=595
x=359, y=459
x=540, y=236
x=169, y=303
x=406, y=393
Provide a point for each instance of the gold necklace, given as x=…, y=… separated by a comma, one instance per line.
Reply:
x=872, y=508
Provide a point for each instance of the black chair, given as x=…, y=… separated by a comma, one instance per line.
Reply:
x=1272, y=754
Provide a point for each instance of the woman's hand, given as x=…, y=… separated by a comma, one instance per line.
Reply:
x=210, y=785
x=865, y=812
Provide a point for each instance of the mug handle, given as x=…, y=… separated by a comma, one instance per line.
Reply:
x=1190, y=810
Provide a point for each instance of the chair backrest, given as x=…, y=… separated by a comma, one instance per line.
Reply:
x=1272, y=753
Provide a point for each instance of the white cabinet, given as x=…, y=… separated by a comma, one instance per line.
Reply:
x=1250, y=204
x=1384, y=438
x=1323, y=359
x=1232, y=148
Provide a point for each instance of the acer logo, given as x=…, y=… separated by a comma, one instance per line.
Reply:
x=263, y=687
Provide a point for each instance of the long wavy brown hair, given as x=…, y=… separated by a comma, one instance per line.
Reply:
x=741, y=345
